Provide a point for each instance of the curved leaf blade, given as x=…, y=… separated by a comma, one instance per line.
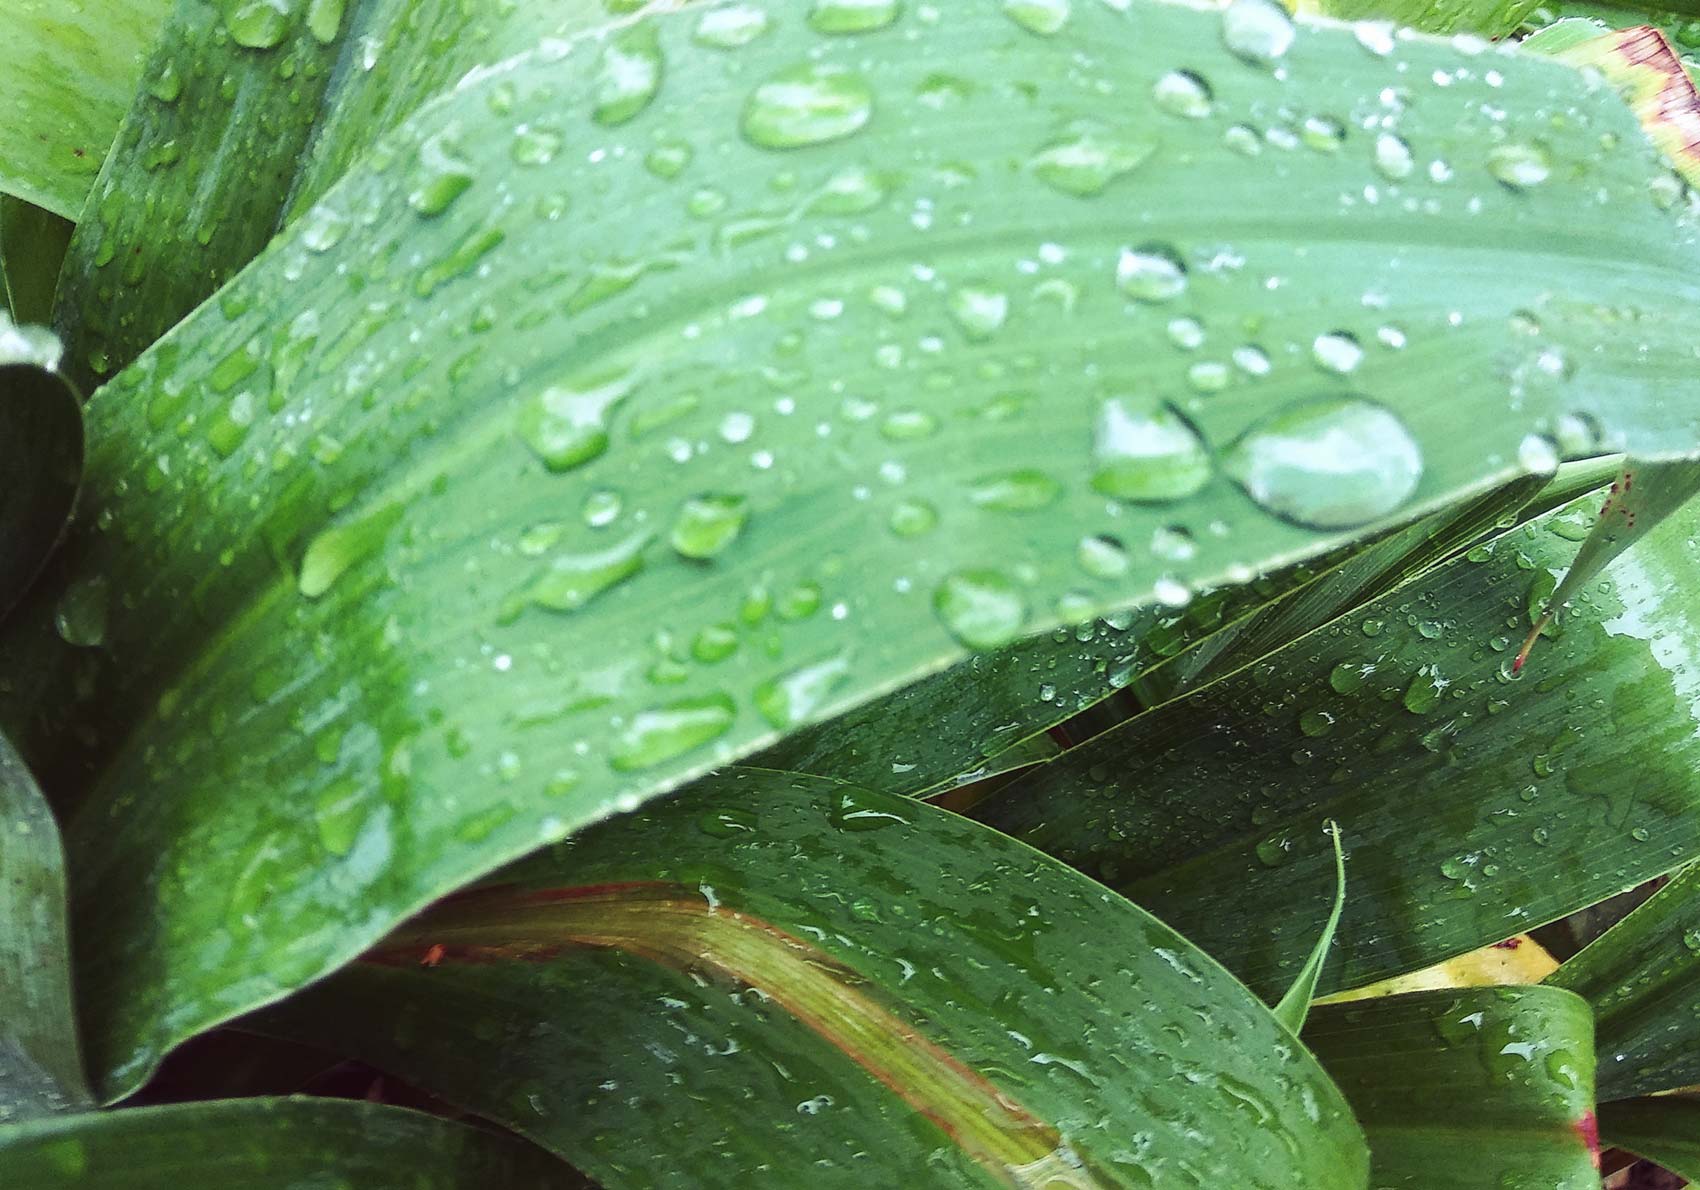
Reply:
x=1294, y=1005
x=267, y=1144
x=1462, y=1089
x=488, y=671
x=41, y=455
x=1664, y=1129
x=831, y=977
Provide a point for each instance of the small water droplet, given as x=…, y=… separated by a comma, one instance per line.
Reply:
x=728, y=26
x=257, y=24
x=324, y=20
x=798, y=695
x=666, y=732
x=1151, y=273
x=852, y=16
x=1329, y=463
x=572, y=580
x=1183, y=93
x=707, y=524
x=1025, y=490
x=807, y=105
x=1337, y=352
x=441, y=176
x=912, y=518
x=1257, y=31
x=1146, y=452
x=80, y=616
x=1520, y=166
x=1316, y=722
x=1393, y=156
x=1089, y=156
x=1043, y=17
x=979, y=310
x=982, y=608
x=337, y=549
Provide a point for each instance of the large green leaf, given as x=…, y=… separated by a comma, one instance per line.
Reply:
x=1643, y=978
x=41, y=454
x=40, y=1064
x=771, y=979
x=1468, y=1088
x=267, y=1144
x=1474, y=804
x=1664, y=1129
x=585, y=438
x=68, y=68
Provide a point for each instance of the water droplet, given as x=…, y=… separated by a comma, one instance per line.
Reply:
x=1393, y=156
x=324, y=20
x=1346, y=677
x=441, y=176
x=982, y=608
x=1146, y=452
x=854, y=810
x=714, y=643
x=1173, y=543
x=1322, y=133
x=980, y=311
x=167, y=85
x=1329, y=463
x=807, y=105
x=1257, y=31
x=534, y=145
x=1089, y=156
x=912, y=518
x=567, y=426
x=798, y=695
x=1375, y=36
x=629, y=74
x=1423, y=693
x=1316, y=722
x=1043, y=17
x=1275, y=850
x=1102, y=556
x=1151, y=273
x=1538, y=454
x=727, y=823
x=667, y=732
x=707, y=524
x=728, y=26
x=572, y=580
x=257, y=24
x=80, y=616
x=1520, y=166
x=335, y=550
x=1183, y=93
x=851, y=16
x=1337, y=352
x=1025, y=490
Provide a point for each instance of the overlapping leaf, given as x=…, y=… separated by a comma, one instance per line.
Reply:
x=1664, y=1129
x=770, y=979
x=41, y=455
x=643, y=400
x=1474, y=804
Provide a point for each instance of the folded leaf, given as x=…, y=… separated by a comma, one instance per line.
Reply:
x=1474, y=803
x=585, y=438
x=771, y=980
x=1643, y=978
x=41, y=1069
x=1457, y=1090
x=267, y=1144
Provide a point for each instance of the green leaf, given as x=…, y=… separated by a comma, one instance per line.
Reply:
x=41, y=455
x=856, y=338
x=1644, y=493
x=1642, y=977
x=267, y=1144
x=1486, y=18
x=820, y=969
x=1467, y=1088
x=1292, y=1008
x=32, y=247
x=1664, y=1130
x=1475, y=804
x=41, y=1068
x=69, y=71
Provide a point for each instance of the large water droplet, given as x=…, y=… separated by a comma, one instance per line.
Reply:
x=324, y=20
x=1520, y=166
x=706, y=525
x=629, y=74
x=807, y=105
x=568, y=426
x=80, y=616
x=572, y=580
x=798, y=695
x=1089, y=156
x=663, y=733
x=1257, y=31
x=1151, y=273
x=1146, y=452
x=1329, y=463
x=1182, y=93
x=335, y=550
x=442, y=175
x=851, y=16
x=1024, y=490
x=982, y=608
x=1337, y=352
x=257, y=24
x=1393, y=156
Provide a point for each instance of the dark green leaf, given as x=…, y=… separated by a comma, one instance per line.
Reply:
x=1643, y=978
x=41, y=455
x=41, y=1069
x=1467, y=1088
x=32, y=247
x=268, y=1144
x=1474, y=804
x=777, y=980
x=396, y=585
x=1665, y=1130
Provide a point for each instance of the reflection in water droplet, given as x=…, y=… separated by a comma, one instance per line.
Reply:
x=807, y=105
x=666, y=732
x=982, y=608
x=1257, y=31
x=1145, y=452
x=1329, y=463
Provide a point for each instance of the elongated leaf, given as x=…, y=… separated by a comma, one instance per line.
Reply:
x=1294, y=1005
x=70, y=67
x=32, y=247
x=1473, y=804
x=1514, y=961
x=41, y=455
x=1665, y=1130
x=1459, y=1090
x=40, y=1065
x=1643, y=978
x=1487, y=18
x=267, y=1144
x=456, y=524
x=796, y=980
